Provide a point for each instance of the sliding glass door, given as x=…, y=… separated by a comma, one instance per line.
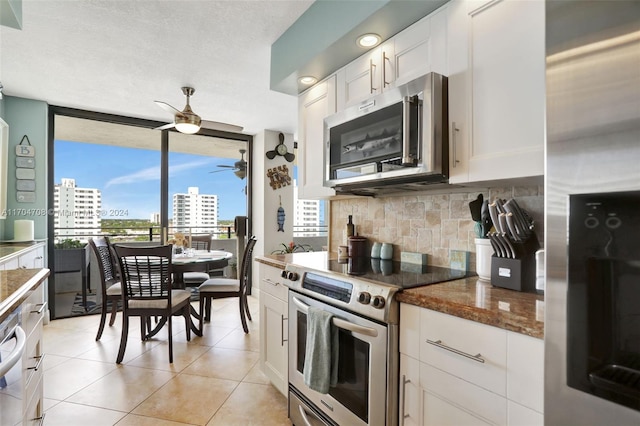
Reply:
x=119, y=177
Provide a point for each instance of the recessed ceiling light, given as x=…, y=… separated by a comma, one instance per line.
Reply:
x=368, y=40
x=307, y=79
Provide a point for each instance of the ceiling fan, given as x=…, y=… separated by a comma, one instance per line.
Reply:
x=239, y=167
x=187, y=121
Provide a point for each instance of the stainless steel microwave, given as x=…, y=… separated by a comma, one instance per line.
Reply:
x=393, y=141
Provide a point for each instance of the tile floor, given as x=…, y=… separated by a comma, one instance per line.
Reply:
x=214, y=379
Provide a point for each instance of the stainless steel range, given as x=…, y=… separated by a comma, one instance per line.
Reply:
x=361, y=299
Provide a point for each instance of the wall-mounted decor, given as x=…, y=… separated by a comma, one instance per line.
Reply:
x=281, y=217
x=281, y=149
x=279, y=177
x=25, y=171
x=4, y=153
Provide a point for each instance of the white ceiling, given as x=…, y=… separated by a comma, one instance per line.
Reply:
x=118, y=57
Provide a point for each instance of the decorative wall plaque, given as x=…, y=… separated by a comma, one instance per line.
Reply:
x=25, y=171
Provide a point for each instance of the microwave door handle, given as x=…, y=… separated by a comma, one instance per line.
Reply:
x=340, y=323
x=16, y=354
x=406, y=131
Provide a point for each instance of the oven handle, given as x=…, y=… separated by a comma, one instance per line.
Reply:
x=340, y=323
x=303, y=414
x=16, y=354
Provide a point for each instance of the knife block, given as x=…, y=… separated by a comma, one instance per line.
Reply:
x=520, y=273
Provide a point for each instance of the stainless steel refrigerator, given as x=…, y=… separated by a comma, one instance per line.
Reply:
x=592, y=193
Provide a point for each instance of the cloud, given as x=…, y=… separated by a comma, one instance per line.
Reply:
x=153, y=173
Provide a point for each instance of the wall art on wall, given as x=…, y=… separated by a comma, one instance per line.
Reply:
x=279, y=177
x=25, y=171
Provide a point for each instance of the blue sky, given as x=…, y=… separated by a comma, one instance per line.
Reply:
x=130, y=178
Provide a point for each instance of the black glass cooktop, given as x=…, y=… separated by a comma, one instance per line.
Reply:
x=395, y=273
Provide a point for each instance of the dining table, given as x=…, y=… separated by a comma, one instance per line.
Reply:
x=197, y=261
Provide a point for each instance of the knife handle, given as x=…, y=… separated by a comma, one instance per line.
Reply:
x=493, y=212
x=503, y=223
x=512, y=227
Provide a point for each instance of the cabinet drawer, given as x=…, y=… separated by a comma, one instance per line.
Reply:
x=466, y=349
x=32, y=358
x=271, y=282
x=460, y=402
x=525, y=371
x=33, y=310
x=34, y=409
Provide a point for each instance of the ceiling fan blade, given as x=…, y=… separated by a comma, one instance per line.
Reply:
x=216, y=125
x=228, y=167
x=271, y=155
x=289, y=157
x=225, y=170
x=165, y=106
x=166, y=126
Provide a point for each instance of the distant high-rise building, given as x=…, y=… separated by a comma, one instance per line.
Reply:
x=194, y=211
x=78, y=211
x=306, y=217
x=154, y=218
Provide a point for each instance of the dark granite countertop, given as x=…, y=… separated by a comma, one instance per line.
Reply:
x=467, y=298
x=479, y=301
x=16, y=285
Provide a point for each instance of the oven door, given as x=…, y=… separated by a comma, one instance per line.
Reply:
x=359, y=397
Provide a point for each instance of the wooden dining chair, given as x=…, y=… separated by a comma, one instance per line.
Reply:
x=147, y=291
x=195, y=278
x=110, y=287
x=218, y=288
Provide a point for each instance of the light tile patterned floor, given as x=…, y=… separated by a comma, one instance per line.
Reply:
x=214, y=379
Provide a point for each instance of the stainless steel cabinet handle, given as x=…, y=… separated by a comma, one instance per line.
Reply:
x=372, y=67
x=404, y=391
x=340, y=323
x=41, y=310
x=438, y=343
x=273, y=283
x=39, y=419
x=454, y=142
x=303, y=413
x=384, y=69
x=282, y=339
x=38, y=364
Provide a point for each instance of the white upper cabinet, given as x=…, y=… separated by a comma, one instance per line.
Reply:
x=507, y=89
x=417, y=50
x=314, y=106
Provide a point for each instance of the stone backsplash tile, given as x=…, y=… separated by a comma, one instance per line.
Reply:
x=432, y=224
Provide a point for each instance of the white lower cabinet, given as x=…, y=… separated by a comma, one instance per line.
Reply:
x=467, y=373
x=274, y=353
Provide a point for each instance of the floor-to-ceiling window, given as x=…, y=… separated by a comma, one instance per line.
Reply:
x=119, y=177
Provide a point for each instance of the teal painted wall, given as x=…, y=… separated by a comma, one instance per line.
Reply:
x=27, y=117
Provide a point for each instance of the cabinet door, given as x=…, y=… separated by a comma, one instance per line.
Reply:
x=410, y=391
x=458, y=73
x=273, y=340
x=314, y=106
x=413, y=53
x=363, y=77
x=507, y=61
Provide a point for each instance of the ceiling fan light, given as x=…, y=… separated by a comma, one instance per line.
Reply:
x=187, y=124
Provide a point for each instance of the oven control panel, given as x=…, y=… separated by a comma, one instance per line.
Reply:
x=368, y=298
